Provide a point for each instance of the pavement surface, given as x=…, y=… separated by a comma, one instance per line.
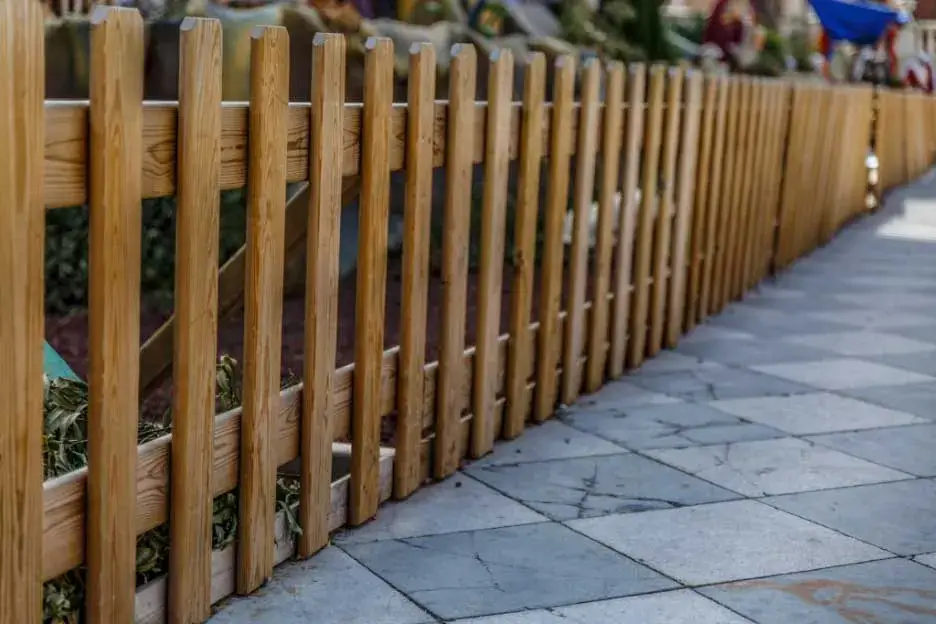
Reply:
x=777, y=467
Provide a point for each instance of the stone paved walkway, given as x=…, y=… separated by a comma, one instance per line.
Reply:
x=778, y=467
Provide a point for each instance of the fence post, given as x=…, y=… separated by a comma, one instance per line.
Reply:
x=196, y=332
x=22, y=227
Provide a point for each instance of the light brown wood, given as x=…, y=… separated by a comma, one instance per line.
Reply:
x=612, y=134
x=415, y=289
x=263, y=303
x=371, y=281
x=685, y=190
x=321, y=292
x=700, y=206
x=455, y=240
x=493, y=225
x=584, y=193
x=728, y=175
x=735, y=198
x=713, y=200
x=791, y=166
x=763, y=246
x=22, y=235
x=114, y=311
x=196, y=335
x=519, y=365
x=648, y=210
x=627, y=219
x=736, y=266
x=665, y=213
x=557, y=195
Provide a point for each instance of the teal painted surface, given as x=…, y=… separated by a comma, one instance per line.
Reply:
x=54, y=366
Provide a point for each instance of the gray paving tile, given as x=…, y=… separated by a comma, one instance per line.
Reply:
x=682, y=606
x=895, y=281
x=918, y=399
x=862, y=343
x=890, y=300
x=924, y=362
x=330, y=587
x=909, y=449
x=595, y=486
x=803, y=304
x=753, y=352
x=892, y=591
x=668, y=362
x=440, y=508
x=925, y=333
x=551, y=440
x=843, y=374
x=618, y=395
x=768, y=323
x=725, y=542
x=821, y=412
x=715, y=382
x=897, y=516
x=668, y=426
x=875, y=318
x=463, y=575
x=708, y=332
x=927, y=560
x=769, y=467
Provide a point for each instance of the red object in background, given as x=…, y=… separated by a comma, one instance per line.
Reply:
x=724, y=30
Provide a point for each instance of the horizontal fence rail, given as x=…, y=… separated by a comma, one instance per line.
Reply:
x=641, y=209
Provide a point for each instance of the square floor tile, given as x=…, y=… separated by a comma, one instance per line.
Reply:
x=925, y=333
x=706, y=333
x=875, y=318
x=927, y=560
x=669, y=426
x=821, y=412
x=329, y=587
x=861, y=343
x=896, y=516
x=752, y=352
x=668, y=362
x=843, y=374
x=901, y=300
x=768, y=323
x=892, y=591
x=715, y=382
x=595, y=486
x=551, y=440
x=725, y=542
x=440, y=508
x=462, y=575
x=908, y=449
x=769, y=467
x=682, y=606
x=619, y=395
x=918, y=399
x=924, y=362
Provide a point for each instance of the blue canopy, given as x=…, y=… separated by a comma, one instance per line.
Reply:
x=858, y=22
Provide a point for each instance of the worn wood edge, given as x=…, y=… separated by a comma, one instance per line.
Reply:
x=151, y=598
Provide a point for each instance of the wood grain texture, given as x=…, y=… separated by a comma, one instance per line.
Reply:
x=735, y=196
x=627, y=220
x=417, y=234
x=745, y=199
x=455, y=239
x=321, y=294
x=612, y=135
x=556, y=201
x=519, y=365
x=756, y=195
x=648, y=215
x=371, y=284
x=685, y=192
x=114, y=311
x=198, y=208
x=728, y=173
x=584, y=193
x=22, y=234
x=263, y=303
x=493, y=235
x=662, y=244
x=714, y=210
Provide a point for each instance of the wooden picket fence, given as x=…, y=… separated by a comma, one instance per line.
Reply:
x=736, y=177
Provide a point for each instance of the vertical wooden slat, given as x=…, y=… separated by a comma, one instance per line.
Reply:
x=627, y=219
x=648, y=209
x=493, y=224
x=22, y=233
x=263, y=302
x=323, y=235
x=459, y=151
x=737, y=205
x=416, y=237
x=751, y=202
x=685, y=189
x=701, y=208
x=610, y=168
x=790, y=162
x=519, y=366
x=371, y=282
x=714, y=212
x=665, y=211
x=114, y=310
x=584, y=192
x=727, y=181
x=557, y=195
x=198, y=198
